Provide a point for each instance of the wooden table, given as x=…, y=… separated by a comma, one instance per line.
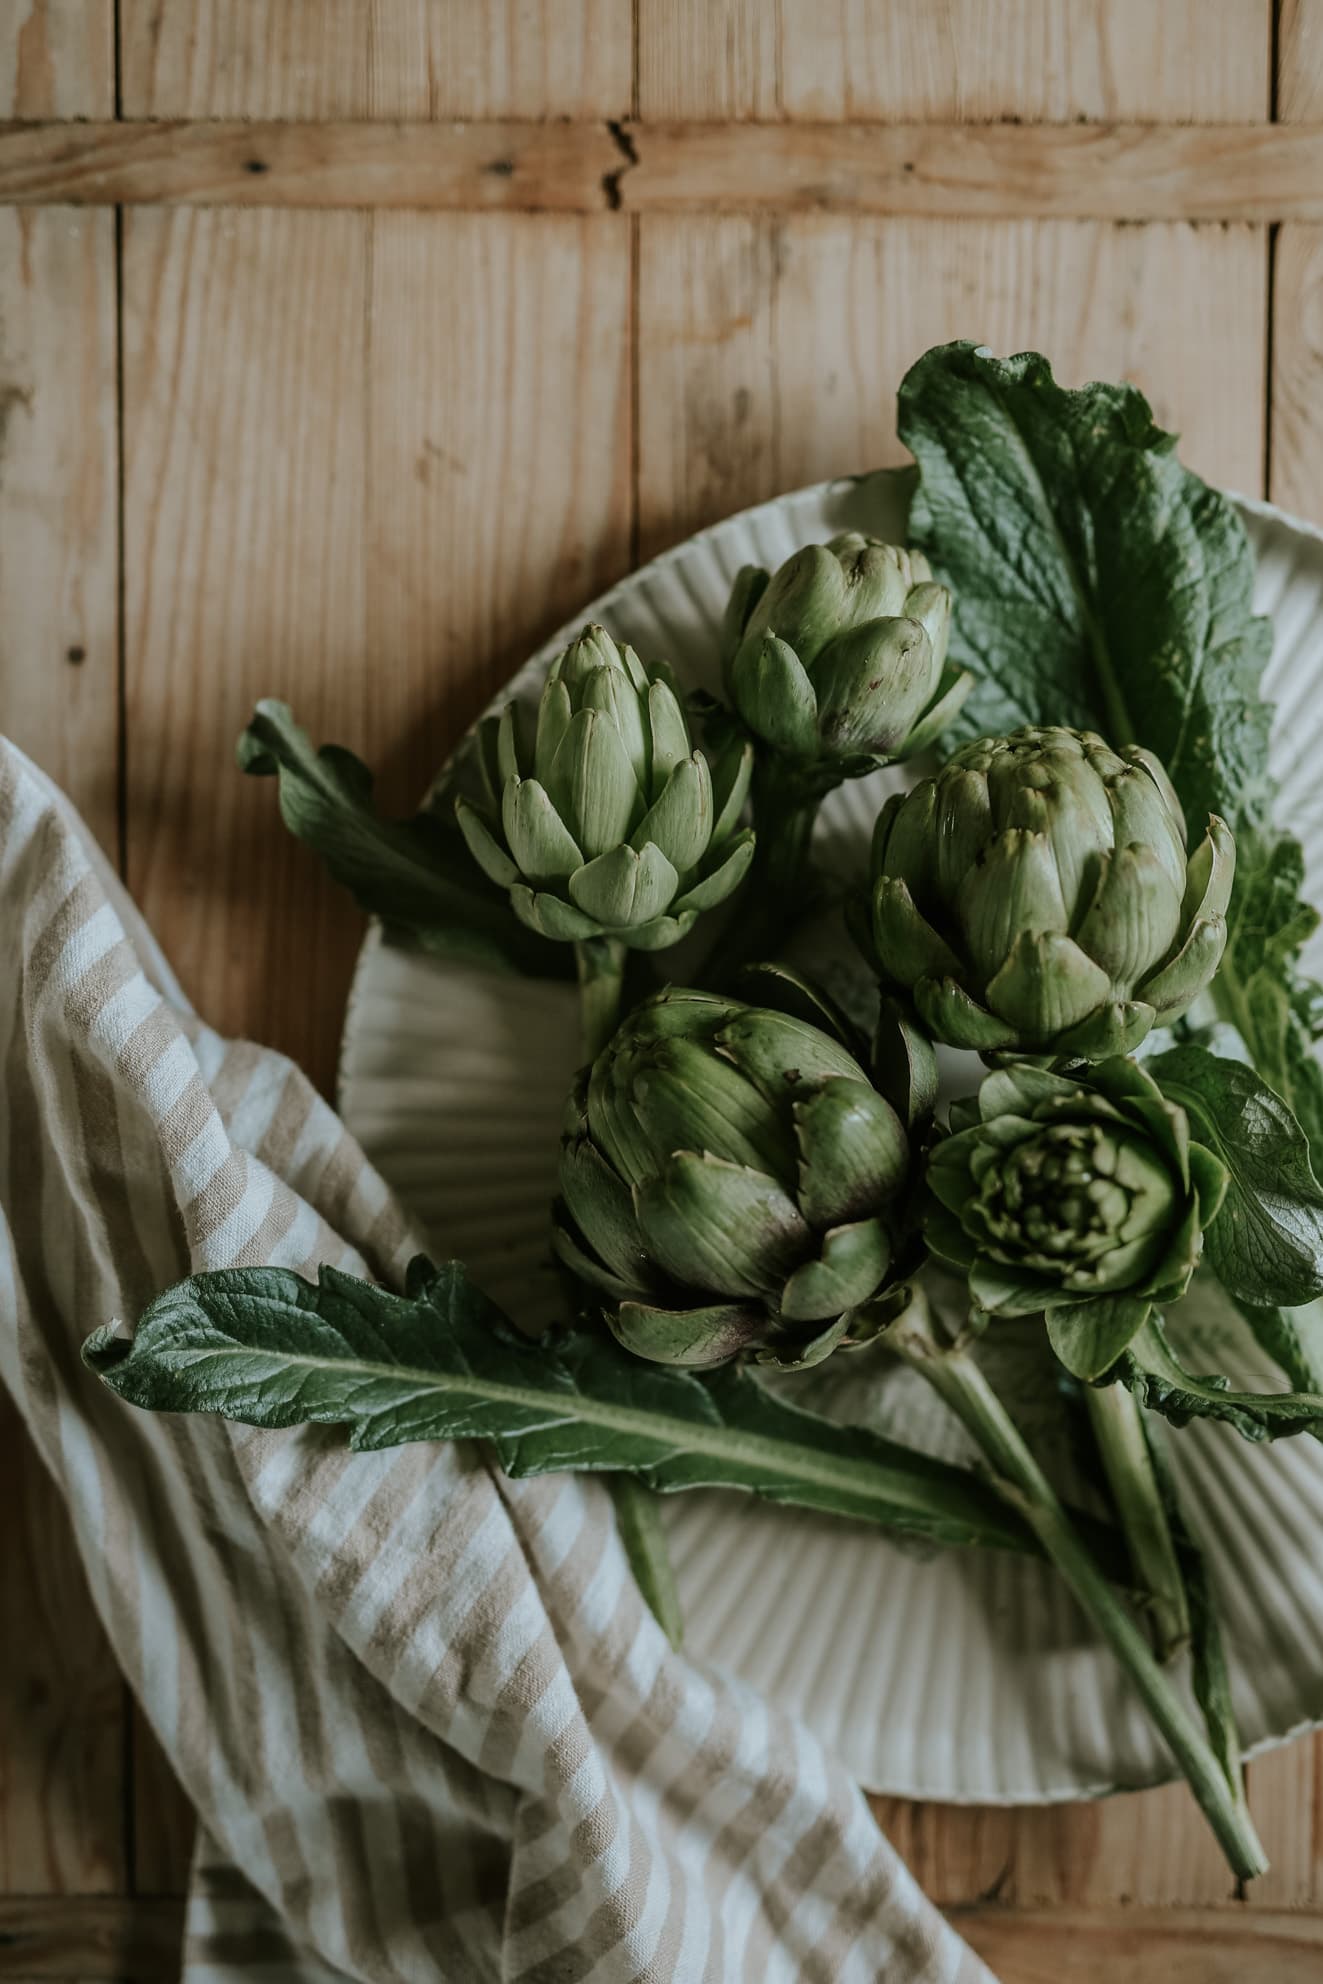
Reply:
x=347, y=349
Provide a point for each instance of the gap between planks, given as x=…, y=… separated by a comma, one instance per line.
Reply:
x=1117, y=172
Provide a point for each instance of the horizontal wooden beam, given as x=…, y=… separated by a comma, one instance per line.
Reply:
x=1119, y=172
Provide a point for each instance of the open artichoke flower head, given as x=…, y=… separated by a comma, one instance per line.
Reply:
x=1084, y=1200
x=839, y=655
x=610, y=824
x=1035, y=896
x=726, y=1175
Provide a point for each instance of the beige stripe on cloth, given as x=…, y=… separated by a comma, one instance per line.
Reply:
x=429, y=1728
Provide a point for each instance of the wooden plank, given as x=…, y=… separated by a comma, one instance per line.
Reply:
x=1130, y=172
x=1200, y=60
x=1300, y=61
x=397, y=58
x=61, y=1700
x=520, y=166
x=57, y=58
x=755, y=386
x=84, y=1936
x=345, y=436
x=1146, y=1946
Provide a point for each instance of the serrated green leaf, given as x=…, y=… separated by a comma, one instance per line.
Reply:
x=441, y=1363
x=1152, y=1370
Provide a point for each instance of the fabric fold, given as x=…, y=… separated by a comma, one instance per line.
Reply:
x=428, y=1726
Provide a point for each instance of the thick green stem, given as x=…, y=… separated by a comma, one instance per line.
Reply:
x=638, y=1516
x=957, y=1378
x=1118, y=1426
x=784, y=812
x=601, y=962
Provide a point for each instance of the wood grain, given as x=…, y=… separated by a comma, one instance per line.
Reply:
x=110, y=1941
x=57, y=58
x=1131, y=172
x=1049, y=60
x=1146, y=1946
x=370, y=462
x=1300, y=60
x=729, y=308
x=396, y=58
x=61, y=1699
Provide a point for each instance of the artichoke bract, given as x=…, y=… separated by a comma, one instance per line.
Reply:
x=610, y=824
x=1035, y=897
x=728, y=1176
x=840, y=655
x=1084, y=1201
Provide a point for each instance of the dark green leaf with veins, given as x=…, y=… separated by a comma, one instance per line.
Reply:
x=264, y=1346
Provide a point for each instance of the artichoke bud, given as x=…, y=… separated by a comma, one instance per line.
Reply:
x=840, y=655
x=604, y=822
x=734, y=1169
x=872, y=685
x=1034, y=897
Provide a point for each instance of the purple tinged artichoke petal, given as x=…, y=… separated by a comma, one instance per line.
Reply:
x=690, y=1339
x=720, y=1226
x=853, y=1263
x=872, y=683
x=853, y=1152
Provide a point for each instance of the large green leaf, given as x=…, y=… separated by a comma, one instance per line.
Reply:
x=441, y=1363
x=417, y=875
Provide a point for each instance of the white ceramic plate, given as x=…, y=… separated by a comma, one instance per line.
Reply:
x=959, y=1676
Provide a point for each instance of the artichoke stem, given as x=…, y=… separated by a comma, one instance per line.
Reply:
x=1118, y=1426
x=958, y=1380
x=601, y=963
x=638, y=1517
x=785, y=809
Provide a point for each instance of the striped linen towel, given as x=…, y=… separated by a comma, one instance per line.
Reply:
x=429, y=1728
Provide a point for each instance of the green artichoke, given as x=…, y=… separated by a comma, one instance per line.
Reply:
x=1081, y=1200
x=1035, y=897
x=728, y=1178
x=612, y=824
x=838, y=657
